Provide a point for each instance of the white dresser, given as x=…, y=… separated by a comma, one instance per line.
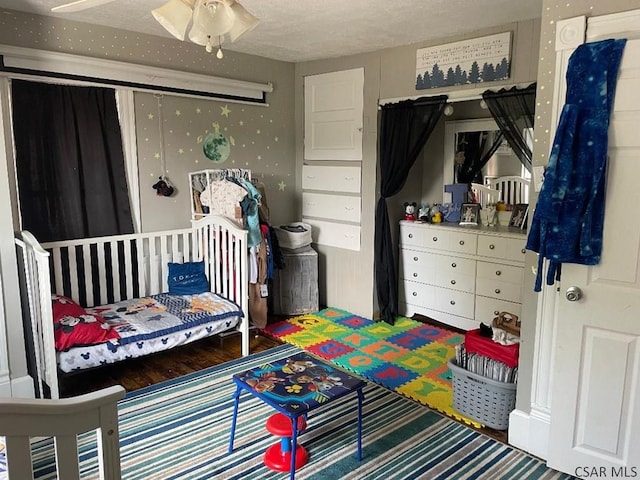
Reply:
x=460, y=275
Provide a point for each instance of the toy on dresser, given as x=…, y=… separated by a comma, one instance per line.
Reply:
x=410, y=211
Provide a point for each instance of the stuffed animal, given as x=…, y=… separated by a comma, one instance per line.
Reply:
x=410, y=211
x=163, y=188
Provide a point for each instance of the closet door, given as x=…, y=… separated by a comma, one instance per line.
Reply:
x=333, y=115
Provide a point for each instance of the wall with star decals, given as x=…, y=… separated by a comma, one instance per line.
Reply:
x=253, y=137
x=259, y=137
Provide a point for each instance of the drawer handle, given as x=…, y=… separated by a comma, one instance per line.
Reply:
x=498, y=272
x=461, y=242
x=523, y=251
x=311, y=176
x=348, y=208
x=415, y=294
x=452, y=302
x=415, y=259
x=496, y=312
x=497, y=290
x=435, y=239
x=492, y=246
x=411, y=235
x=348, y=179
x=415, y=274
x=454, y=265
x=453, y=282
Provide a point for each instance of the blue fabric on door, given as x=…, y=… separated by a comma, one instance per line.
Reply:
x=568, y=220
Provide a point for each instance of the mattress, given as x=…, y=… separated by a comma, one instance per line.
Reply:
x=153, y=324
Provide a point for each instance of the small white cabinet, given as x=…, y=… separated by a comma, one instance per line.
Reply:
x=460, y=275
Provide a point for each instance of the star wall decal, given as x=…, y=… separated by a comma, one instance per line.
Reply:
x=225, y=111
x=282, y=186
x=150, y=116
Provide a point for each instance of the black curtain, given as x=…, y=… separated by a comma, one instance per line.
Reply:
x=477, y=148
x=513, y=110
x=404, y=129
x=69, y=160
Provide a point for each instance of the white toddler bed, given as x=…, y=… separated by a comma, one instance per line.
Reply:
x=125, y=279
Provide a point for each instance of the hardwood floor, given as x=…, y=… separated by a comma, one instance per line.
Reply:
x=142, y=372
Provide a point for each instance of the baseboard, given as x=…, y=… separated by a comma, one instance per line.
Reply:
x=530, y=432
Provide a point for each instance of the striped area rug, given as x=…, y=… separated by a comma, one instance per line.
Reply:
x=180, y=430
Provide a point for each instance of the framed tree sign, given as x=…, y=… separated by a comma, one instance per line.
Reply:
x=479, y=60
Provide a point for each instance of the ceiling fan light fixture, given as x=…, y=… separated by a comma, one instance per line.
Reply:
x=244, y=21
x=210, y=19
x=175, y=16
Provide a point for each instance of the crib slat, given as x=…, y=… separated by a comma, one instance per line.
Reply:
x=102, y=273
x=58, y=286
x=73, y=270
x=67, y=456
x=186, y=252
x=88, y=276
x=153, y=267
x=142, y=285
x=18, y=457
x=224, y=236
x=163, y=267
x=116, y=267
x=176, y=255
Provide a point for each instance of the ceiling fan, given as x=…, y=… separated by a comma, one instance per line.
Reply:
x=210, y=20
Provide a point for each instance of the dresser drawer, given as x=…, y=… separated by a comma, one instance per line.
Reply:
x=335, y=207
x=334, y=179
x=451, y=241
x=511, y=292
x=412, y=235
x=454, y=302
x=416, y=293
x=501, y=247
x=498, y=271
x=488, y=308
x=441, y=270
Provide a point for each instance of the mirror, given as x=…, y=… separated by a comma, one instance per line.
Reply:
x=502, y=164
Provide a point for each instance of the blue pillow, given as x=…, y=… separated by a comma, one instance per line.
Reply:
x=187, y=278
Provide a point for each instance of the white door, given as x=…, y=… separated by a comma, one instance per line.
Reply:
x=595, y=406
x=333, y=115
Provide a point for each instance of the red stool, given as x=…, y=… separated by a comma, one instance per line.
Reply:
x=278, y=456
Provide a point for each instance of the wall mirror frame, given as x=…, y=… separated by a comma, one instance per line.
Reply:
x=452, y=129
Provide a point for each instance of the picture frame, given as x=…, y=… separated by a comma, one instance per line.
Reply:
x=469, y=214
x=519, y=216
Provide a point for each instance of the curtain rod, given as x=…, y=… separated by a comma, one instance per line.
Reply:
x=455, y=95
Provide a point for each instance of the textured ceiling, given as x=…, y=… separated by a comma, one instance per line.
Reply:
x=301, y=30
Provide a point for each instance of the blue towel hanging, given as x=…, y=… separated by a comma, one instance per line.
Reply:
x=569, y=216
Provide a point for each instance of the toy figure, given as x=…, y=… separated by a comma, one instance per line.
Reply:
x=410, y=211
x=423, y=213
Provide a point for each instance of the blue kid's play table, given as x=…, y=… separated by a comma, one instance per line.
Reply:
x=294, y=386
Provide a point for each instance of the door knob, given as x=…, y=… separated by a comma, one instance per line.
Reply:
x=573, y=294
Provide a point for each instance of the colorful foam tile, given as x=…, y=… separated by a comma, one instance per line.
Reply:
x=356, y=339
x=308, y=321
x=434, y=333
x=420, y=364
x=354, y=322
x=385, y=350
x=391, y=376
x=330, y=349
x=329, y=329
x=407, y=340
x=282, y=329
x=359, y=362
x=437, y=397
x=333, y=314
x=304, y=338
x=438, y=351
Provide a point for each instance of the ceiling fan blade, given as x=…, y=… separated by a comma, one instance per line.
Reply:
x=79, y=5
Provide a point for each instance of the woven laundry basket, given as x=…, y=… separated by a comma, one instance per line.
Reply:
x=482, y=399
